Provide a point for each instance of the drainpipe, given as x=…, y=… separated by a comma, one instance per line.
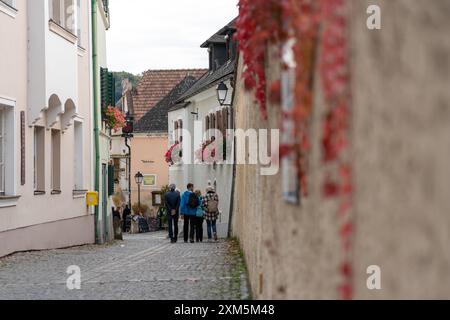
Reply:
x=233, y=181
x=129, y=172
x=95, y=68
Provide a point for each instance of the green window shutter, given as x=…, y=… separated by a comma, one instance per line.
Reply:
x=107, y=88
x=110, y=180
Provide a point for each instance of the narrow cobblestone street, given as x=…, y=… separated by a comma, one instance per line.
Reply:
x=144, y=266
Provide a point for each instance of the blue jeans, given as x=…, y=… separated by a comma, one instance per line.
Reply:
x=211, y=226
x=173, y=227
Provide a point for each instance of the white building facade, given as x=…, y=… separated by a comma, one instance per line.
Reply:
x=200, y=116
x=45, y=125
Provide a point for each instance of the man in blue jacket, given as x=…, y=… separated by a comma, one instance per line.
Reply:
x=189, y=212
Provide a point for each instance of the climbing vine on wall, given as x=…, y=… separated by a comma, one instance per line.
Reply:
x=313, y=26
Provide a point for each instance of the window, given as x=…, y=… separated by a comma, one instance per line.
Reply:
x=117, y=170
x=212, y=123
x=62, y=12
x=2, y=153
x=180, y=130
x=78, y=156
x=56, y=160
x=11, y=3
x=79, y=22
x=8, y=159
x=39, y=160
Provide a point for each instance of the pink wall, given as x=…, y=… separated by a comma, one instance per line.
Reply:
x=147, y=156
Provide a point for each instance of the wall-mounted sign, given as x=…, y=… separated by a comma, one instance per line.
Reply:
x=149, y=180
x=92, y=199
x=157, y=198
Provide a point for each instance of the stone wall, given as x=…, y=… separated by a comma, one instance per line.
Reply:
x=401, y=155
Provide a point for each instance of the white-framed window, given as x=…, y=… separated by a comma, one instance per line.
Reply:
x=62, y=12
x=2, y=153
x=10, y=3
x=56, y=160
x=79, y=22
x=39, y=159
x=7, y=143
x=78, y=156
x=8, y=7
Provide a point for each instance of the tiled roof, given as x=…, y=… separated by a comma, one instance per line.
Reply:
x=210, y=79
x=156, y=120
x=156, y=84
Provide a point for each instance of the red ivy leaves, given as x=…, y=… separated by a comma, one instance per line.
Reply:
x=264, y=22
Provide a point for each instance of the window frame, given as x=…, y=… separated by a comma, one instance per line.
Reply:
x=78, y=163
x=10, y=10
x=56, y=160
x=63, y=16
x=39, y=164
x=2, y=153
x=9, y=145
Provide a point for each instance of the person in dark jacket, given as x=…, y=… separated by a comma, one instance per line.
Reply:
x=172, y=200
x=189, y=213
x=126, y=212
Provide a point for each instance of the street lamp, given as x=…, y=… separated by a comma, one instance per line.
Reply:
x=222, y=93
x=139, y=178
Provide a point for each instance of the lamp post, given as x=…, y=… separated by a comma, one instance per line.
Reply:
x=139, y=177
x=127, y=133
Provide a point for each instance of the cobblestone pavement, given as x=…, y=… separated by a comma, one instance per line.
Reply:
x=144, y=266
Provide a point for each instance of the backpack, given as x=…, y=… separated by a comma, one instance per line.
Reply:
x=199, y=213
x=193, y=201
x=213, y=205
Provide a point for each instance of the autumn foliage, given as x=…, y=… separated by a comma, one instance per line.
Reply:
x=317, y=32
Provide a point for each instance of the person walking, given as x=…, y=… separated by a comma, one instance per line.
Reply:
x=199, y=218
x=189, y=205
x=172, y=201
x=211, y=209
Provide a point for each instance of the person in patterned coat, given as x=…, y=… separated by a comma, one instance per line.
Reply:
x=211, y=209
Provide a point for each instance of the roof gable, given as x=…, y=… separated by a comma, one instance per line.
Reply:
x=156, y=84
x=156, y=119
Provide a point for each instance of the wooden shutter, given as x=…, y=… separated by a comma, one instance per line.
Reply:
x=225, y=120
x=207, y=126
x=110, y=180
x=175, y=129
x=107, y=88
x=213, y=121
x=231, y=117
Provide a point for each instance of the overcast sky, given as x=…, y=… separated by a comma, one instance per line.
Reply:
x=164, y=34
